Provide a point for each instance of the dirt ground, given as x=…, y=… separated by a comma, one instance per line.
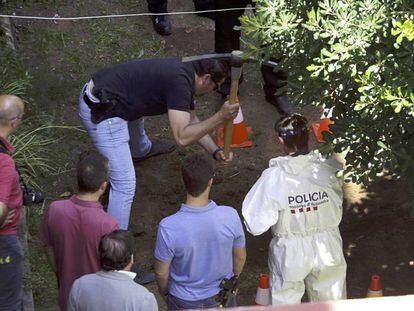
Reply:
x=376, y=228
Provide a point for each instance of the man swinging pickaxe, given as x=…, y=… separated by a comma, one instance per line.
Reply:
x=236, y=59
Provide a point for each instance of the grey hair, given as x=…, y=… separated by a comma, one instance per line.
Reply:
x=115, y=250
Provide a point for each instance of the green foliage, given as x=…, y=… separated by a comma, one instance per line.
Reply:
x=36, y=136
x=35, y=142
x=14, y=79
x=355, y=56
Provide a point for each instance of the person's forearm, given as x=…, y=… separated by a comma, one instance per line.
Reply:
x=3, y=213
x=162, y=272
x=239, y=259
x=162, y=282
x=238, y=265
x=198, y=130
x=2, y=218
x=208, y=144
x=206, y=141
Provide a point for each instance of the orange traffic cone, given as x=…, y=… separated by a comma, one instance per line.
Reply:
x=240, y=134
x=375, y=289
x=263, y=291
x=320, y=127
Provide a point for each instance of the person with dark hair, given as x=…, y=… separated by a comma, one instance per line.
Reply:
x=200, y=245
x=92, y=171
x=11, y=204
x=115, y=101
x=300, y=198
x=113, y=287
x=293, y=134
x=72, y=229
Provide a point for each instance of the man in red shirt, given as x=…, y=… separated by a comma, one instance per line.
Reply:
x=71, y=229
x=11, y=201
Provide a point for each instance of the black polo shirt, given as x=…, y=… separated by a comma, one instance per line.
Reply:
x=148, y=87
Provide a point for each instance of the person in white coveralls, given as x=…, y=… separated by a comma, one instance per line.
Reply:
x=300, y=198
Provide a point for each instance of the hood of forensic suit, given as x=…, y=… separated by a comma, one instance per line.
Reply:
x=311, y=161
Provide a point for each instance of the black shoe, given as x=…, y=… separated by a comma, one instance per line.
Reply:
x=281, y=103
x=158, y=147
x=162, y=24
x=143, y=277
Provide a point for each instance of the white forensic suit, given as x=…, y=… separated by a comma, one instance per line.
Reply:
x=300, y=198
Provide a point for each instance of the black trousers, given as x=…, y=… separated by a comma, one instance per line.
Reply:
x=157, y=6
x=227, y=39
x=160, y=6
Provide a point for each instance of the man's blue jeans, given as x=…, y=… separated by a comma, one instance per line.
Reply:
x=117, y=140
x=175, y=303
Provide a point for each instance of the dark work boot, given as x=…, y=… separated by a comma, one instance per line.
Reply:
x=158, y=147
x=162, y=24
x=281, y=103
x=142, y=277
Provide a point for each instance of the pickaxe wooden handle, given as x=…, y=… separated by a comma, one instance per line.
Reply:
x=236, y=63
x=236, y=59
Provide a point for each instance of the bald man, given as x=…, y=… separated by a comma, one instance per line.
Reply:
x=11, y=202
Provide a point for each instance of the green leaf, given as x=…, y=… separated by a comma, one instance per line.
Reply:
x=312, y=67
x=398, y=107
x=359, y=107
x=331, y=67
x=312, y=14
x=364, y=88
x=371, y=69
x=390, y=97
x=412, y=97
x=382, y=145
x=326, y=53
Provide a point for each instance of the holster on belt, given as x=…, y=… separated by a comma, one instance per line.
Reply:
x=229, y=288
x=104, y=109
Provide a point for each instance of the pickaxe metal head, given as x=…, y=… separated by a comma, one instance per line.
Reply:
x=236, y=58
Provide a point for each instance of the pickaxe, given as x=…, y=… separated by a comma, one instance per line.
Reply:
x=236, y=59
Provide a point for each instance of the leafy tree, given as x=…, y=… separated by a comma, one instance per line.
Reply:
x=355, y=56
